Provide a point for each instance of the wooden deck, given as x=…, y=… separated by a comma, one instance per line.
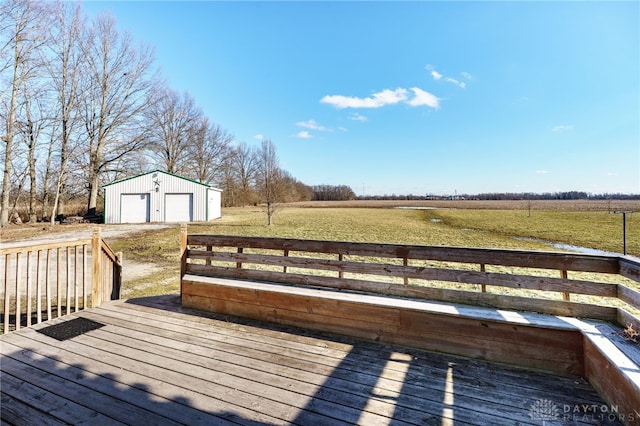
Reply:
x=153, y=362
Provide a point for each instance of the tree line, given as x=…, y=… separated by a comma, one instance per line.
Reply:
x=82, y=104
x=566, y=195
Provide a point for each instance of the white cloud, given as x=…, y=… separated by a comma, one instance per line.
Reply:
x=303, y=135
x=424, y=98
x=259, y=137
x=383, y=98
x=435, y=74
x=357, y=117
x=311, y=124
x=460, y=84
x=377, y=100
x=438, y=76
x=542, y=172
x=561, y=128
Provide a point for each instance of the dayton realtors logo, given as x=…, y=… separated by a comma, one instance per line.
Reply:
x=545, y=410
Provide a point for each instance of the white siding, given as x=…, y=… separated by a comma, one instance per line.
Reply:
x=158, y=185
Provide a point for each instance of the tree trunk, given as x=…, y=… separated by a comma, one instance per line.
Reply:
x=31, y=138
x=8, y=139
x=94, y=185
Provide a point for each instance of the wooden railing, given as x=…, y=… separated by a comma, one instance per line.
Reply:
x=555, y=283
x=46, y=281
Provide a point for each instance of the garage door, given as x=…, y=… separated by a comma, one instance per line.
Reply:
x=134, y=208
x=179, y=207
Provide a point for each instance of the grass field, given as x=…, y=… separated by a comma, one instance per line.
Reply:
x=489, y=224
x=483, y=227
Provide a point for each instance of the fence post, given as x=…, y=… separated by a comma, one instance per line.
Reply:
x=96, y=254
x=183, y=254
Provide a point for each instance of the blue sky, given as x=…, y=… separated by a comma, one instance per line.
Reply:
x=414, y=97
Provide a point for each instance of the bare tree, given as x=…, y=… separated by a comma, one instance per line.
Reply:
x=63, y=65
x=269, y=178
x=173, y=122
x=245, y=167
x=47, y=174
x=21, y=35
x=209, y=151
x=114, y=95
x=30, y=127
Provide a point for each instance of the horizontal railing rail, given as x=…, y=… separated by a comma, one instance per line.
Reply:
x=567, y=284
x=44, y=281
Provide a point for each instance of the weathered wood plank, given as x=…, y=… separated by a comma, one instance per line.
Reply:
x=441, y=307
x=425, y=273
x=45, y=246
x=630, y=268
x=48, y=402
x=629, y=295
x=613, y=376
x=150, y=396
x=525, y=346
x=352, y=399
x=626, y=319
x=299, y=344
x=260, y=353
x=236, y=394
x=553, y=307
x=545, y=260
x=349, y=307
x=211, y=404
x=373, y=382
x=17, y=412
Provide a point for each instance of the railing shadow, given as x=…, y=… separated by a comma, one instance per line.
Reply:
x=372, y=383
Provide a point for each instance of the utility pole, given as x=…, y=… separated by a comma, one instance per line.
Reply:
x=624, y=229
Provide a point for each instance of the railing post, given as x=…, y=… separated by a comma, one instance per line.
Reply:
x=28, y=289
x=183, y=254
x=7, y=306
x=117, y=276
x=96, y=291
x=68, y=280
x=565, y=295
x=18, y=278
x=239, y=264
x=405, y=263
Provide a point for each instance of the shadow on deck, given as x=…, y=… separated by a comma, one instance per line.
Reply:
x=154, y=362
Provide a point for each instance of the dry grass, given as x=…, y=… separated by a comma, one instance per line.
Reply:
x=486, y=226
x=525, y=205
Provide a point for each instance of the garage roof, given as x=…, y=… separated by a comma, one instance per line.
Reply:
x=163, y=172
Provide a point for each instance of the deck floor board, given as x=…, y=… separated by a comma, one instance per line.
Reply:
x=155, y=363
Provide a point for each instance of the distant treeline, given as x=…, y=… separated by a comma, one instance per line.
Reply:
x=568, y=195
x=333, y=193
x=345, y=193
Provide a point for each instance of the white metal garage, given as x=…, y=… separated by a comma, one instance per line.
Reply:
x=160, y=197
